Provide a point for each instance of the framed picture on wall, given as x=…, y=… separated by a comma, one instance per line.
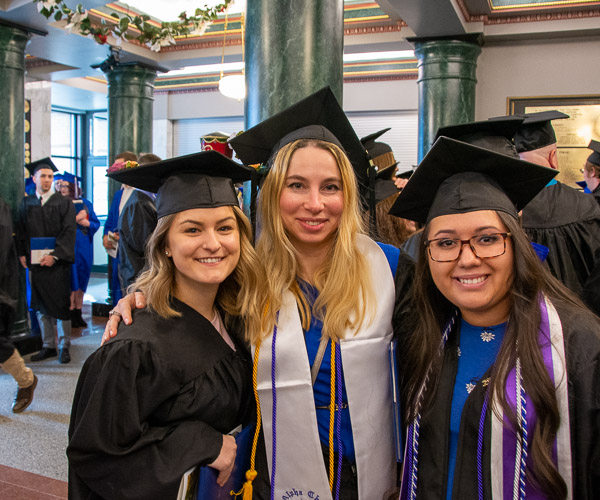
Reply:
x=572, y=135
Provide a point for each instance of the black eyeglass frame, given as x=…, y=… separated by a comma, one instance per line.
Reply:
x=427, y=243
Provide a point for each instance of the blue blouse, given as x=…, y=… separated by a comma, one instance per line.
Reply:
x=478, y=348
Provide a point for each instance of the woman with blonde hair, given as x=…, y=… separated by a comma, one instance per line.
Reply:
x=321, y=346
x=164, y=395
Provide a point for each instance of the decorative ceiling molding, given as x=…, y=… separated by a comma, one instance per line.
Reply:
x=530, y=13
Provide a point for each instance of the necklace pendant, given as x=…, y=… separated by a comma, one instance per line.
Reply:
x=487, y=335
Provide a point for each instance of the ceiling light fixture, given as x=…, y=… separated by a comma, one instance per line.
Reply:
x=233, y=86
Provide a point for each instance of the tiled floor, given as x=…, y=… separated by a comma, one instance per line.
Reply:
x=20, y=485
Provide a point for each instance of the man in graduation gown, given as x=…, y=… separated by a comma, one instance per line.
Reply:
x=49, y=215
x=137, y=220
x=559, y=217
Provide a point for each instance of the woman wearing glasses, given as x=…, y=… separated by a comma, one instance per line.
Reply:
x=500, y=377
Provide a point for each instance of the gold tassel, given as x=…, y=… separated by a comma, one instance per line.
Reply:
x=246, y=490
x=251, y=474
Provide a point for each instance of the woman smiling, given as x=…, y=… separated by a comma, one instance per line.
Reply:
x=500, y=376
x=162, y=397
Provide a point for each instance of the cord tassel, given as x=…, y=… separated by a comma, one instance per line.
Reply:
x=251, y=474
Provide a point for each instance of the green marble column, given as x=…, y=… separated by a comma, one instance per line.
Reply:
x=130, y=103
x=293, y=48
x=12, y=141
x=130, y=109
x=446, y=83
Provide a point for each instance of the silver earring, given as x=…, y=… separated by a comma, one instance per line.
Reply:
x=167, y=253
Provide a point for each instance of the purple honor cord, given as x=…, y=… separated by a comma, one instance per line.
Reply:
x=274, y=394
x=338, y=372
x=480, y=446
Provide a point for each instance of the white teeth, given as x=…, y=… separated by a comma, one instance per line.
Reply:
x=210, y=260
x=312, y=223
x=472, y=281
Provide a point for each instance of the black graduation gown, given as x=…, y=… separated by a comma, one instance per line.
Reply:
x=50, y=286
x=9, y=271
x=582, y=348
x=568, y=223
x=136, y=223
x=9, y=278
x=152, y=403
x=596, y=194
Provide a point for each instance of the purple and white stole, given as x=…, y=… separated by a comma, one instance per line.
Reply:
x=508, y=452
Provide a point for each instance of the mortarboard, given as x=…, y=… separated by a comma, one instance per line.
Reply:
x=456, y=177
x=67, y=176
x=43, y=163
x=594, y=158
x=199, y=180
x=380, y=153
x=536, y=131
x=495, y=134
x=318, y=116
x=384, y=189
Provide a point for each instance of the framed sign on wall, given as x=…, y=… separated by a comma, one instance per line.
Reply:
x=572, y=135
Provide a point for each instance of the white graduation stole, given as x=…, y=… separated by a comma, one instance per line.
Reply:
x=300, y=472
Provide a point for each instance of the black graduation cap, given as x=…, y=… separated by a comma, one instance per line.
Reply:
x=594, y=158
x=536, y=131
x=199, y=180
x=318, y=116
x=381, y=154
x=495, y=134
x=384, y=188
x=456, y=177
x=43, y=163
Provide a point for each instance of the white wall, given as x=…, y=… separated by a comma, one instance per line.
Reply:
x=535, y=68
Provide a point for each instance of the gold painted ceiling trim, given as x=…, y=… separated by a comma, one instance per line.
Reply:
x=533, y=5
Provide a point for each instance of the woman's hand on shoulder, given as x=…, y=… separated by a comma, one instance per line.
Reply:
x=226, y=459
x=122, y=310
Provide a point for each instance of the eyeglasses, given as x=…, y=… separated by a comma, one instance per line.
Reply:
x=484, y=246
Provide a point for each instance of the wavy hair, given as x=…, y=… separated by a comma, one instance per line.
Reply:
x=346, y=296
x=431, y=309
x=235, y=294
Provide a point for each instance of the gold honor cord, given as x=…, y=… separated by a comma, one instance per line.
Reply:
x=331, y=415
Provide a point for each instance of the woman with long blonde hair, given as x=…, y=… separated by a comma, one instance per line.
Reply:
x=165, y=394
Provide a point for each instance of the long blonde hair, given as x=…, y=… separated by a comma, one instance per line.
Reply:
x=235, y=295
x=346, y=295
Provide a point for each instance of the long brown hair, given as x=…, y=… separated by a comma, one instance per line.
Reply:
x=421, y=353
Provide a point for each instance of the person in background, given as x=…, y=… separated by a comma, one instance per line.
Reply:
x=391, y=230
x=87, y=225
x=560, y=217
x=163, y=396
x=500, y=373
x=10, y=359
x=110, y=238
x=137, y=220
x=48, y=218
x=591, y=170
